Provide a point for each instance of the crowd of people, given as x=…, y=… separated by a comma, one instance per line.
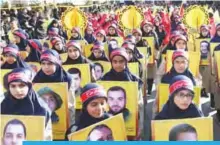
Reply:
x=24, y=30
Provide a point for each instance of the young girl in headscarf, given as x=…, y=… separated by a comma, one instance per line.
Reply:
x=138, y=35
x=120, y=71
x=132, y=57
x=98, y=53
x=58, y=45
x=101, y=36
x=76, y=34
x=94, y=99
x=51, y=69
x=12, y=58
x=75, y=56
x=20, y=39
x=216, y=38
x=180, y=104
x=89, y=37
x=112, y=31
x=204, y=32
x=21, y=99
x=180, y=61
x=34, y=48
x=180, y=44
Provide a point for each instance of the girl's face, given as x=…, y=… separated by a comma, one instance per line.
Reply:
x=28, y=49
x=183, y=99
x=180, y=64
x=48, y=67
x=59, y=46
x=111, y=31
x=10, y=59
x=73, y=53
x=89, y=31
x=100, y=37
x=205, y=32
x=130, y=54
x=96, y=107
x=18, y=90
x=55, y=25
x=137, y=37
x=75, y=34
x=147, y=28
x=17, y=39
x=118, y=63
x=97, y=53
x=181, y=45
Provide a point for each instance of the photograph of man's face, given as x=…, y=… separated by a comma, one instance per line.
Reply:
x=183, y=132
x=116, y=99
x=14, y=133
x=98, y=71
x=75, y=74
x=204, y=48
x=100, y=133
x=50, y=100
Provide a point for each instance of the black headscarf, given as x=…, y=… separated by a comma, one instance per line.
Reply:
x=172, y=111
x=13, y=50
x=23, y=39
x=60, y=74
x=36, y=48
x=216, y=38
x=80, y=60
x=172, y=73
x=30, y=105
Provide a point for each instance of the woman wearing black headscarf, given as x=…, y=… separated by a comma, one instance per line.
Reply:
x=13, y=59
x=40, y=32
x=21, y=99
x=51, y=69
x=89, y=36
x=21, y=39
x=120, y=72
x=204, y=32
x=132, y=57
x=34, y=48
x=98, y=53
x=58, y=44
x=91, y=113
x=75, y=54
x=216, y=38
x=177, y=107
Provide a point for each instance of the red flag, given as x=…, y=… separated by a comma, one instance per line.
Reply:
x=181, y=10
x=148, y=15
x=167, y=26
x=213, y=28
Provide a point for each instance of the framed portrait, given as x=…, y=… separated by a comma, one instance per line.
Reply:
x=111, y=129
x=19, y=128
x=194, y=129
x=81, y=76
x=122, y=97
x=55, y=96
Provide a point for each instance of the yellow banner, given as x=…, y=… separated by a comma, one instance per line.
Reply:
x=162, y=129
x=57, y=93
